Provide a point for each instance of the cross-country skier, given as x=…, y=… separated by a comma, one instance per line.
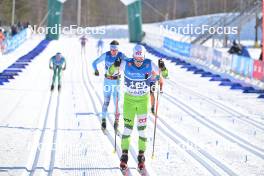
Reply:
x=138, y=73
x=111, y=82
x=83, y=40
x=57, y=63
x=100, y=46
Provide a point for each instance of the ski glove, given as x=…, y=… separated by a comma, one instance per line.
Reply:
x=117, y=62
x=161, y=65
x=96, y=73
x=146, y=76
x=112, y=70
x=165, y=73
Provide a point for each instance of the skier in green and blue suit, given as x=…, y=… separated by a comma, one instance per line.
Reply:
x=138, y=74
x=57, y=64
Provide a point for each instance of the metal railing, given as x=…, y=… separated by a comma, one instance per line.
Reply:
x=237, y=16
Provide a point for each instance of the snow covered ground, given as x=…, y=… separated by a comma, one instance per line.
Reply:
x=203, y=129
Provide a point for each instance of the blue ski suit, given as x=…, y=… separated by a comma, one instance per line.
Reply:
x=111, y=83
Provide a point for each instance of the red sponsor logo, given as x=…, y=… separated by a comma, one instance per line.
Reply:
x=143, y=120
x=258, y=70
x=139, y=53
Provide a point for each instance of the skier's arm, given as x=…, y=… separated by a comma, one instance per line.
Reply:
x=155, y=71
x=98, y=60
x=64, y=64
x=158, y=71
x=162, y=67
x=123, y=64
x=124, y=57
x=50, y=63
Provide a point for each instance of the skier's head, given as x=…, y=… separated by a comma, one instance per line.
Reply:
x=138, y=55
x=58, y=55
x=114, y=47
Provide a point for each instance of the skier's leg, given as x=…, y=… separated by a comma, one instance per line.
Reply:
x=59, y=77
x=116, y=95
x=54, y=75
x=53, y=78
x=129, y=113
x=107, y=97
x=142, y=114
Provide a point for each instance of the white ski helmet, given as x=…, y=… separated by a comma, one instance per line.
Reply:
x=139, y=51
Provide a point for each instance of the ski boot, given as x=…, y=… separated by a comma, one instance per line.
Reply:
x=123, y=163
x=59, y=87
x=52, y=87
x=103, y=125
x=141, y=163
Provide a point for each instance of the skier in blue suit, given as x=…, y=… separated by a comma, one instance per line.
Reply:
x=100, y=46
x=111, y=83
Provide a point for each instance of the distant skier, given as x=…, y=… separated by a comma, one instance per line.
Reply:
x=100, y=46
x=111, y=82
x=57, y=63
x=83, y=42
x=138, y=73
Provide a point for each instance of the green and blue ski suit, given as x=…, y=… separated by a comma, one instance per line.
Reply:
x=136, y=81
x=57, y=63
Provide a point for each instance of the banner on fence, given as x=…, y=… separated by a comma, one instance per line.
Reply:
x=226, y=61
x=217, y=56
x=198, y=52
x=242, y=65
x=177, y=47
x=14, y=42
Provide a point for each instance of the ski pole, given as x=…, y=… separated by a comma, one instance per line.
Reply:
x=116, y=116
x=156, y=117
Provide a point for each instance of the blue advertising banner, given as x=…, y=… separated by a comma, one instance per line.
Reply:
x=246, y=66
x=198, y=52
x=217, y=56
x=177, y=47
x=242, y=65
x=250, y=68
x=236, y=64
x=15, y=41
